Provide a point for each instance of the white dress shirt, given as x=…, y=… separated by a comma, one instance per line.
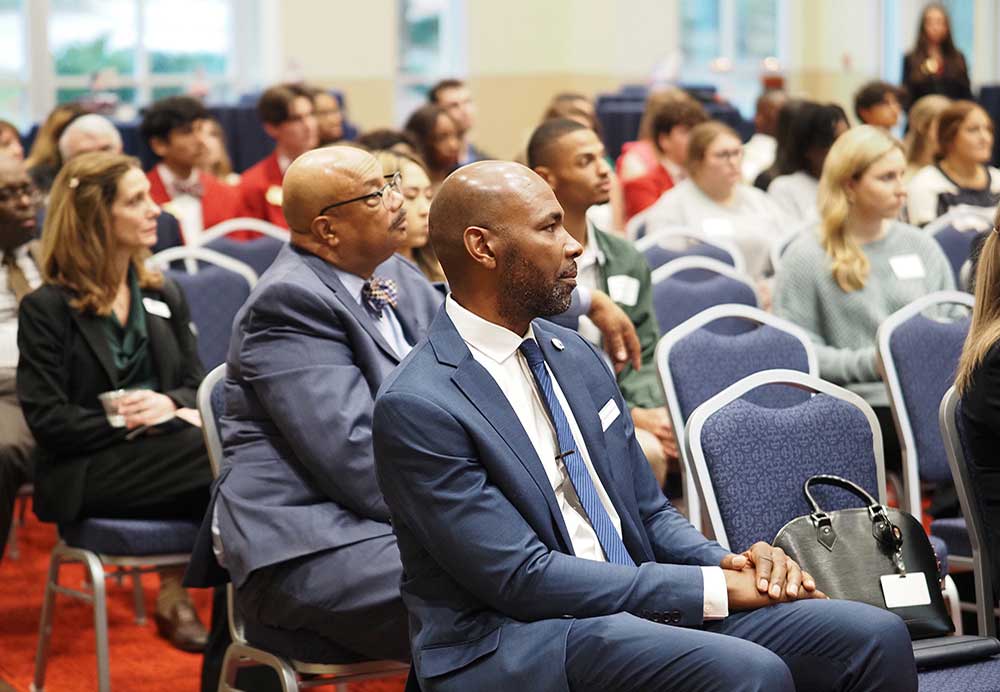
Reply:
x=186, y=207
x=797, y=194
x=388, y=324
x=497, y=350
x=588, y=275
x=8, y=305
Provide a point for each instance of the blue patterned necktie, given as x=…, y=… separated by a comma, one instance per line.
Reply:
x=377, y=293
x=611, y=542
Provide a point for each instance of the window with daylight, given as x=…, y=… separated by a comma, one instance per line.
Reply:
x=431, y=47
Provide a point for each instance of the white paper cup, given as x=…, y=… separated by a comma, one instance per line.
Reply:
x=110, y=401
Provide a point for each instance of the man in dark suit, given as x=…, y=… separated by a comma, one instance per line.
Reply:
x=538, y=551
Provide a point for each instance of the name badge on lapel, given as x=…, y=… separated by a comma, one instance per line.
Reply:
x=156, y=307
x=609, y=412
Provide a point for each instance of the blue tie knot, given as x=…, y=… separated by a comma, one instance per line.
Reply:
x=529, y=349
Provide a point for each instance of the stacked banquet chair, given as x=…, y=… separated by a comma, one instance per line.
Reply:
x=215, y=286
x=298, y=662
x=695, y=362
x=751, y=463
x=673, y=243
x=918, y=348
x=684, y=287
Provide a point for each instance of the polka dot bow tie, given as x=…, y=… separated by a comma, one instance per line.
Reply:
x=377, y=293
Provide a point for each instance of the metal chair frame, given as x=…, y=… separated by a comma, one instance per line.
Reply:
x=679, y=232
x=678, y=334
x=24, y=493
x=293, y=675
x=191, y=255
x=694, y=262
x=224, y=228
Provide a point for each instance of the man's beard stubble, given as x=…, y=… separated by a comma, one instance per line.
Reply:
x=526, y=294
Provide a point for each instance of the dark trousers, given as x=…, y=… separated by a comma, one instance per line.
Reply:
x=16, y=448
x=348, y=596
x=819, y=646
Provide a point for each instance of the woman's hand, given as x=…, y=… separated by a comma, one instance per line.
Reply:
x=145, y=407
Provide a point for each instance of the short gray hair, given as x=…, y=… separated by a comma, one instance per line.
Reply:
x=89, y=124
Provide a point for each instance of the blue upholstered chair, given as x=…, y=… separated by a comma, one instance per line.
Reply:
x=751, y=462
x=665, y=245
x=133, y=547
x=258, y=253
x=695, y=363
x=956, y=232
x=216, y=286
x=684, y=287
x=292, y=657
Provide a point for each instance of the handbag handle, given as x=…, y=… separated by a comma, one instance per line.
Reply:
x=830, y=479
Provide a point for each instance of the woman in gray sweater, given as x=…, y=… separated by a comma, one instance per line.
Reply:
x=861, y=266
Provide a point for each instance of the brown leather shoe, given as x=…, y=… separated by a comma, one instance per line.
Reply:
x=182, y=628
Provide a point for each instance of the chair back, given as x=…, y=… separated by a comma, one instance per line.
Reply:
x=751, y=461
x=243, y=223
x=666, y=244
x=215, y=291
x=919, y=346
x=695, y=363
x=956, y=232
x=211, y=404
x=258, y=253
x=686, y=286
x=966, y=481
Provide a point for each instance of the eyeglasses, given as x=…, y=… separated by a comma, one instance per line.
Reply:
x=728, y=155
x=383, y=193
x=14, y=193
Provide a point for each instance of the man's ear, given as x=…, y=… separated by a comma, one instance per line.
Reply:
x=547, y=175
x=478, y=243
x=159, y=145
x=323, y=230
x=271, y=130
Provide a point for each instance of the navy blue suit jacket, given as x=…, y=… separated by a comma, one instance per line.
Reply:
x=304, y=364
x=490, y=579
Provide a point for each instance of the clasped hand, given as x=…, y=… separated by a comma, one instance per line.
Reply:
x=765, y=575
x=145, y=407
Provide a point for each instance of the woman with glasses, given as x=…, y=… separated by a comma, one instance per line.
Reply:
x=109, y=369
x=862, y=266
x=715, y=201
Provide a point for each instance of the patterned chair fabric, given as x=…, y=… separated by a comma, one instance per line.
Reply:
x=657, y=255
x=955, y=535
x=682, y=295
x=983, y=676
x=758, y=458
x=214, y=295
x=124, y=537
x=258, y=253
x=957, y=246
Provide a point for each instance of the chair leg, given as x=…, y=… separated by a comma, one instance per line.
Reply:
x=96, y=572
x=954, y=607
x=231, y=665
x=13, y=551
x=138, y=597
x=45, y=623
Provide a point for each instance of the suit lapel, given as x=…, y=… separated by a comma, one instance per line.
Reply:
x=158, y=334
x=93, y=332
x=482, y=391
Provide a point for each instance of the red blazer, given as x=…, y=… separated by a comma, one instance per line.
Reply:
x=260, y=188
x=219, y=203
x=642, y=192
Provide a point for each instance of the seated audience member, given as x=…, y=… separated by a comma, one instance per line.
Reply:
x=329, y=117
x=962, y=174
x=783, y=133
x=814, y=129
x=861, y=267
x=286, y=111
x=417, y=196
x=44, y=160
x=978, y=383
x=640, y=157
x=920, y=141
x=454, y=97
x=385, y=139
x=570, y=158
x=760, y=150
x=714, y=199
x=530, y=568
x=670, y=127
x=19, y=275
x=877, y=103
x=215, y=160
x=94, y=132
x=438, y=140
x=104, y=321
x=176, y=129
x=10, y=141
x=935, y=65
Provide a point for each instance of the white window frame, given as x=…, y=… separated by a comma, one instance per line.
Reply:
x=454, y=48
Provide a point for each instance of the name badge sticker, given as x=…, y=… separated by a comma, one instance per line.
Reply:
x=609, y=412
x=904, y=590
x=623, y=289
x=718, y=227
x=156, y=307
x=907, y=267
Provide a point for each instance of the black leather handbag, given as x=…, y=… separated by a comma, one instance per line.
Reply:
x=866, y=554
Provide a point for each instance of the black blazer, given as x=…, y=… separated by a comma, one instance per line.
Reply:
x=953, y=82
x=65, y=362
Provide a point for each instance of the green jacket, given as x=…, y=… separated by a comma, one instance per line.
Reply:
x=623, y=266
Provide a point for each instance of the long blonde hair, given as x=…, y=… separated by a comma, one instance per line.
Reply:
x=78, y=240
x=920, y=150
x=850, y=156
x=984, y=331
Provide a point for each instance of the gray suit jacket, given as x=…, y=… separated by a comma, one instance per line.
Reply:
x=304, y=365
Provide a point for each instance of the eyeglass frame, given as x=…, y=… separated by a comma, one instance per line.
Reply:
x=396, y=180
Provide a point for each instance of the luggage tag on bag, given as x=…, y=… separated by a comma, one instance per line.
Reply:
x=905, y=590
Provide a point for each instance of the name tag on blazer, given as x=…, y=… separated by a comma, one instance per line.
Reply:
x=609, y=412
x=156, y=307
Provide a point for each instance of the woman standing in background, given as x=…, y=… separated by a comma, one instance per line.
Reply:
x=935, y=66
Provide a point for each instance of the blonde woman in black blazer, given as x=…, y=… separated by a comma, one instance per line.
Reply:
x=101, y=322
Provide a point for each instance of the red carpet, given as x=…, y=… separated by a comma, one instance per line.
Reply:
x=140, y=660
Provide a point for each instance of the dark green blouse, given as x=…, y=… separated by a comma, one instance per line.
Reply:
x=130, y=343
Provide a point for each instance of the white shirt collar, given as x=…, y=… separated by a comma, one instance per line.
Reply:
x=283, y=163
x=495, y=342
x=169, y=178
x=677, y=172
x=592, y=254
x=352, y=282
